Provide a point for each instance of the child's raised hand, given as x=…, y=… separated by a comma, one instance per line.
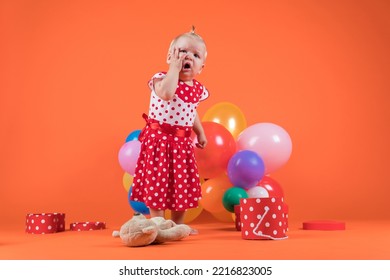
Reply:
x=177, y=58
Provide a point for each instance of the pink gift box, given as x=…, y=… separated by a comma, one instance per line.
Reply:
x=263, y=218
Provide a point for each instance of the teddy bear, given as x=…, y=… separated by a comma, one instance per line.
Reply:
x=140, y=231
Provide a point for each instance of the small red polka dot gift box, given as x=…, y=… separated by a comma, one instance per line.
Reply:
x=263, y=218
x=81, y=226
x=45, y=223
x=237, y=210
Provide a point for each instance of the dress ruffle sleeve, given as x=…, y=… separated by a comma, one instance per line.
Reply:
x=204, y=95
x=159, y=75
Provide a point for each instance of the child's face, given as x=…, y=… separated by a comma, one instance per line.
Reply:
x=194, y=52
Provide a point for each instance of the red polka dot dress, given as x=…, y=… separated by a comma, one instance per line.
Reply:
x=166, y=175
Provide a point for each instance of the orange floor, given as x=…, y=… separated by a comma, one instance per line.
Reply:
x=216, y=241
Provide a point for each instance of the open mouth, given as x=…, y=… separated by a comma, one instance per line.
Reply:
x=187, y=66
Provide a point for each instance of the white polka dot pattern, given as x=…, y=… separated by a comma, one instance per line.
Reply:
x=263, y=218
x=181, y=109
x=166, y=175
x=83, y=226
x=45, y=223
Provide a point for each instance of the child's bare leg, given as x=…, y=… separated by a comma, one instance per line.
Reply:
x=178, y=216
x=156, y=213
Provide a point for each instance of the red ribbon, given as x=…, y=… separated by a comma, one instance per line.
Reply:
x=166, y=128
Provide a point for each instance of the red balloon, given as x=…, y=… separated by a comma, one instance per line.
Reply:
x=273, y=187
x=213, y=159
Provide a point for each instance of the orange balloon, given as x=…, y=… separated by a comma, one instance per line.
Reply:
x=191, y=214
x=127, y=181
x=229, y=115
x=224, y=216
x=212, y=193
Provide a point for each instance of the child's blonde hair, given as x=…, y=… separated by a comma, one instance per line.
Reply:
x=191, y=34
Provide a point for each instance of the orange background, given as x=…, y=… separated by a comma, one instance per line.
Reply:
x=73, y=85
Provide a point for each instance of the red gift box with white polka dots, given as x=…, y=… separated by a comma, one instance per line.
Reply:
x=263, y=218
x=45, y=223
x=237, y=210
x=82, y=226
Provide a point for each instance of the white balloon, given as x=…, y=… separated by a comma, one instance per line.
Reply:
x=257, y=192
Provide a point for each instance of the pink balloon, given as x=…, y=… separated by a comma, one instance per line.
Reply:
x=270, y=141
x=128, y=156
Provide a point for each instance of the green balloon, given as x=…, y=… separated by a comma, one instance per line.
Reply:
x=232, y=197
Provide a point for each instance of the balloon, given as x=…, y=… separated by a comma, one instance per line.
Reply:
x=257, y=192
x=138, y=206
x=127, y=181
x=128, y=156
x=232, y=197
x=133, y=135
x=212, y=193
x=213, y=159
x=223, y=216
x=191, y=214
x=228, y=115
x=245, y=169
x=270, y=141
x=272, y=186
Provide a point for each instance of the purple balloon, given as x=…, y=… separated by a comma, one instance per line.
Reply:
x=245, y=169
x=128, y=156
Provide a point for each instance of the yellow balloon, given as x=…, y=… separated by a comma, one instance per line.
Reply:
x=191, y=214
x=127, y=181
x=228, y=115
